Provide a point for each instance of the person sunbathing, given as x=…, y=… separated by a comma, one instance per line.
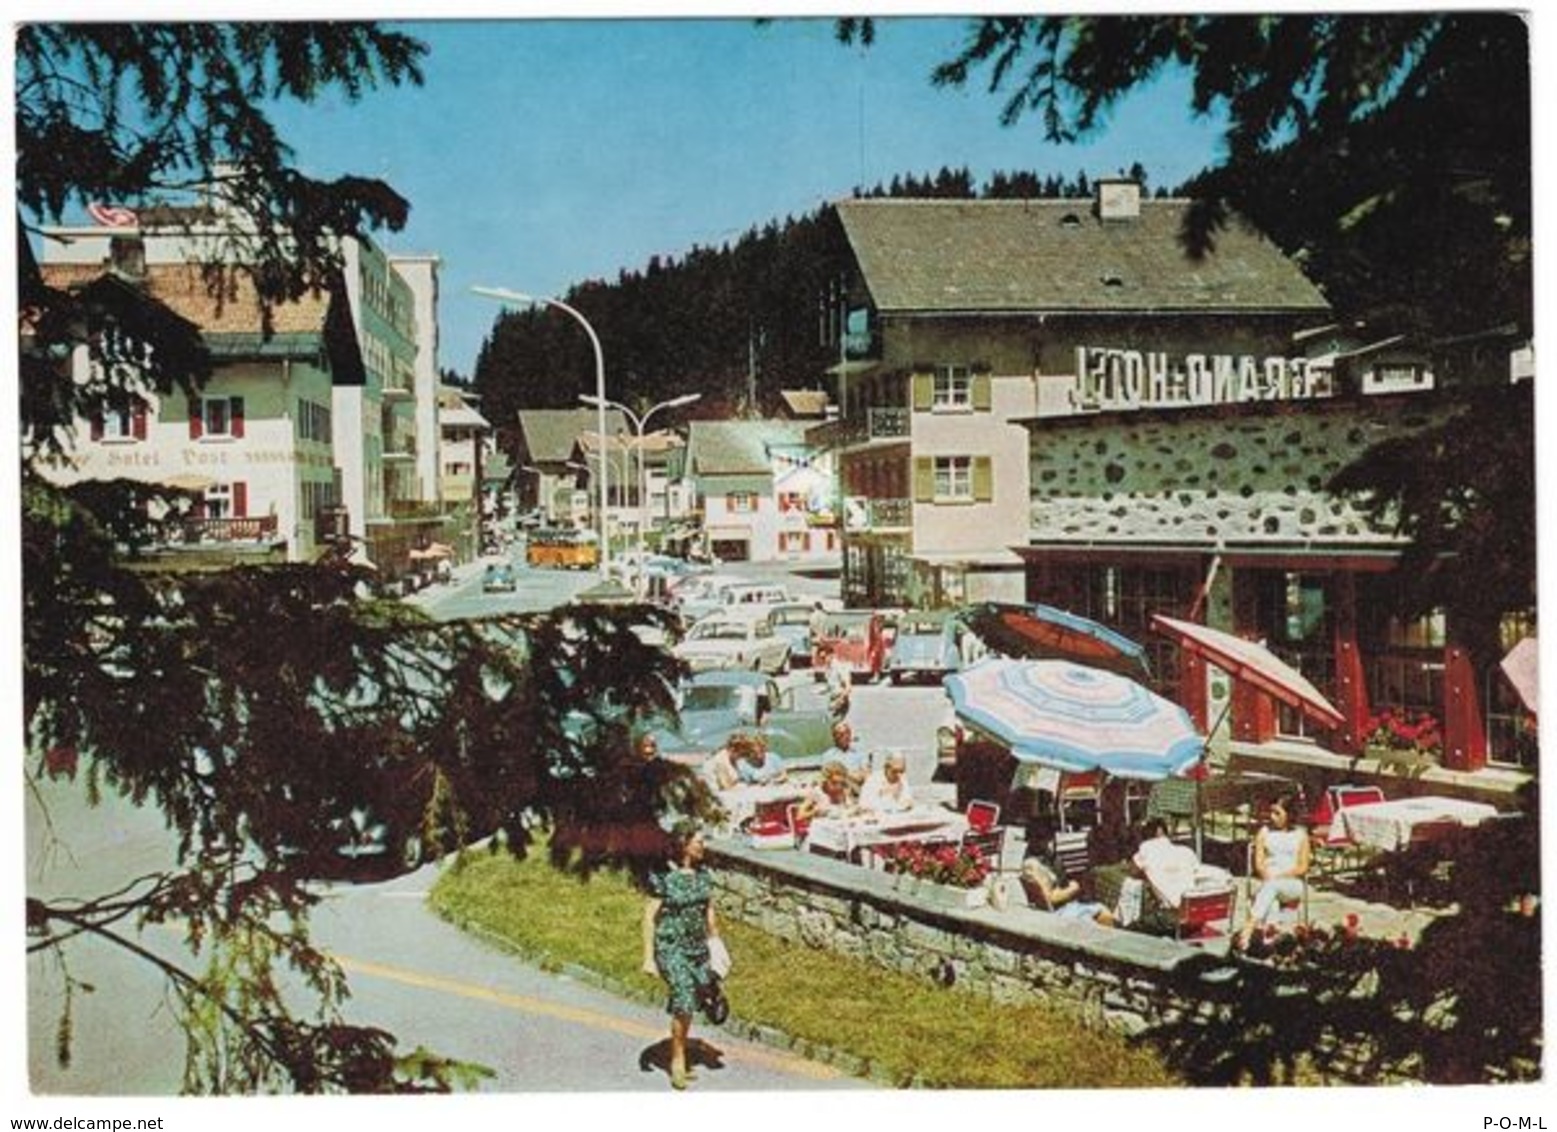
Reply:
x=1044, y=890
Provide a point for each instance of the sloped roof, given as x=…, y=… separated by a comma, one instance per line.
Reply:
x=1051, y=256
x=549, y=435
x=733, y=448
x=805, y=402
x=183, y=289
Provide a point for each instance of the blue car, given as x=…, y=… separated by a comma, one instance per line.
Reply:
x=499, y=578
x=715, y=705
x=925, y=647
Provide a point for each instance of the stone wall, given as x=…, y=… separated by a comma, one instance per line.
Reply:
x=1233, y=475
x=1103, y=977
x=1123, y=980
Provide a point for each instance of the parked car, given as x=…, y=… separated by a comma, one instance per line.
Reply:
x=925, y=647
x=857, y=638
x=499, y=577
x=792, y=621
x=715, y=705
x=753, y=596
x=729, y=641
x=701, y=594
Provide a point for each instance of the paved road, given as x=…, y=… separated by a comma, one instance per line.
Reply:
x=411, y=973
x=416, y=976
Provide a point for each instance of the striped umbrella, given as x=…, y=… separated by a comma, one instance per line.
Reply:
x=1075, y=718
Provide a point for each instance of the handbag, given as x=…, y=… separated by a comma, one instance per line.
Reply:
x=710, y=996
x=718, y=957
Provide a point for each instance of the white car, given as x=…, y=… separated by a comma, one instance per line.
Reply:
x=734, y=642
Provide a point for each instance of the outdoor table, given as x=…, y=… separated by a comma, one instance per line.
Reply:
x=743, y=802
x=846, y=836
x=1387, y=825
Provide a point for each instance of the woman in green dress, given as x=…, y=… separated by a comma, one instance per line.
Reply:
x=678, y=922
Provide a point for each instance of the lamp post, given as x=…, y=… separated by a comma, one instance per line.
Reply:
x=505, y=296
x=640, y=426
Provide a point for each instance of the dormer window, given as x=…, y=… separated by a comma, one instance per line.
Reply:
x=1110, y=279
x=1070, y=220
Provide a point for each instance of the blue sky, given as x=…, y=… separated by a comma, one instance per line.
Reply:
x=541, y=153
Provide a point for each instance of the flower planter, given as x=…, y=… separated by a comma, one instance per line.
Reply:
x=1400, y=760
x=940, y=895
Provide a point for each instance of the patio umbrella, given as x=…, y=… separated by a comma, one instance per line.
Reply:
x=1042, y=632
x=1254, y=664
x=1076, y=718
x=1521, y=666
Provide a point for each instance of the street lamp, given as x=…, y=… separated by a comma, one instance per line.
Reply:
x=505, y=296
x=640, y=426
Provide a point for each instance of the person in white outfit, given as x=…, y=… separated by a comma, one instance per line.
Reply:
x=1281, y=859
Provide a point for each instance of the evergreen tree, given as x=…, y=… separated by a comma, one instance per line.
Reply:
x=171, y=689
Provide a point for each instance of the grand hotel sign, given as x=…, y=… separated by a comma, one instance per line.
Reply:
x=1109, y=378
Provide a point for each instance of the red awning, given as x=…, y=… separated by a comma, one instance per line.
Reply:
x=1522, y=667
x=1254, y=664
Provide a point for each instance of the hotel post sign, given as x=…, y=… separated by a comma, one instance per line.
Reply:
x=1112, y=379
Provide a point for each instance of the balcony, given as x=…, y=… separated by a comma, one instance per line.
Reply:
x=259, y=528
x=877, y=424
x=886, y=514
x=890, y=514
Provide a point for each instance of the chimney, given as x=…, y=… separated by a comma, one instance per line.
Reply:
x=1118, y=199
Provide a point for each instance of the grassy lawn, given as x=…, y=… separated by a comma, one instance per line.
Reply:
x=902, y=1029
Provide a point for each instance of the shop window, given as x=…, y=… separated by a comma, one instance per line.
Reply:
x=1293, y=615
x=1403, y=656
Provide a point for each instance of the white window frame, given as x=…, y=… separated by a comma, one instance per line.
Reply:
x=953, y=479
x=118, y=426
x=218, y=501
x=951, y=389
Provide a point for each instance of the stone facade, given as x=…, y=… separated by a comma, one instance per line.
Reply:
x=1213, y=476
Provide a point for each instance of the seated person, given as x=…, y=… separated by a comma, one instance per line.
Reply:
x=1044, y=890
x=1171, y=869
x=888, y=791
x=1281, y=859
x=757, y=765
x=722, y=768
x=833, y=795
x=855, y=760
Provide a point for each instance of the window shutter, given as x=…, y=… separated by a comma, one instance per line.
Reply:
x=983, y=479
x=240, y=500
x=236, y=404
x=924, y=392
x=196, y=420
x=924, y=479
x=138, y=424
x=97, y=426
x=981, y=393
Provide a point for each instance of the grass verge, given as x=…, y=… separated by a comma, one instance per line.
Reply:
x=894, y=1028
